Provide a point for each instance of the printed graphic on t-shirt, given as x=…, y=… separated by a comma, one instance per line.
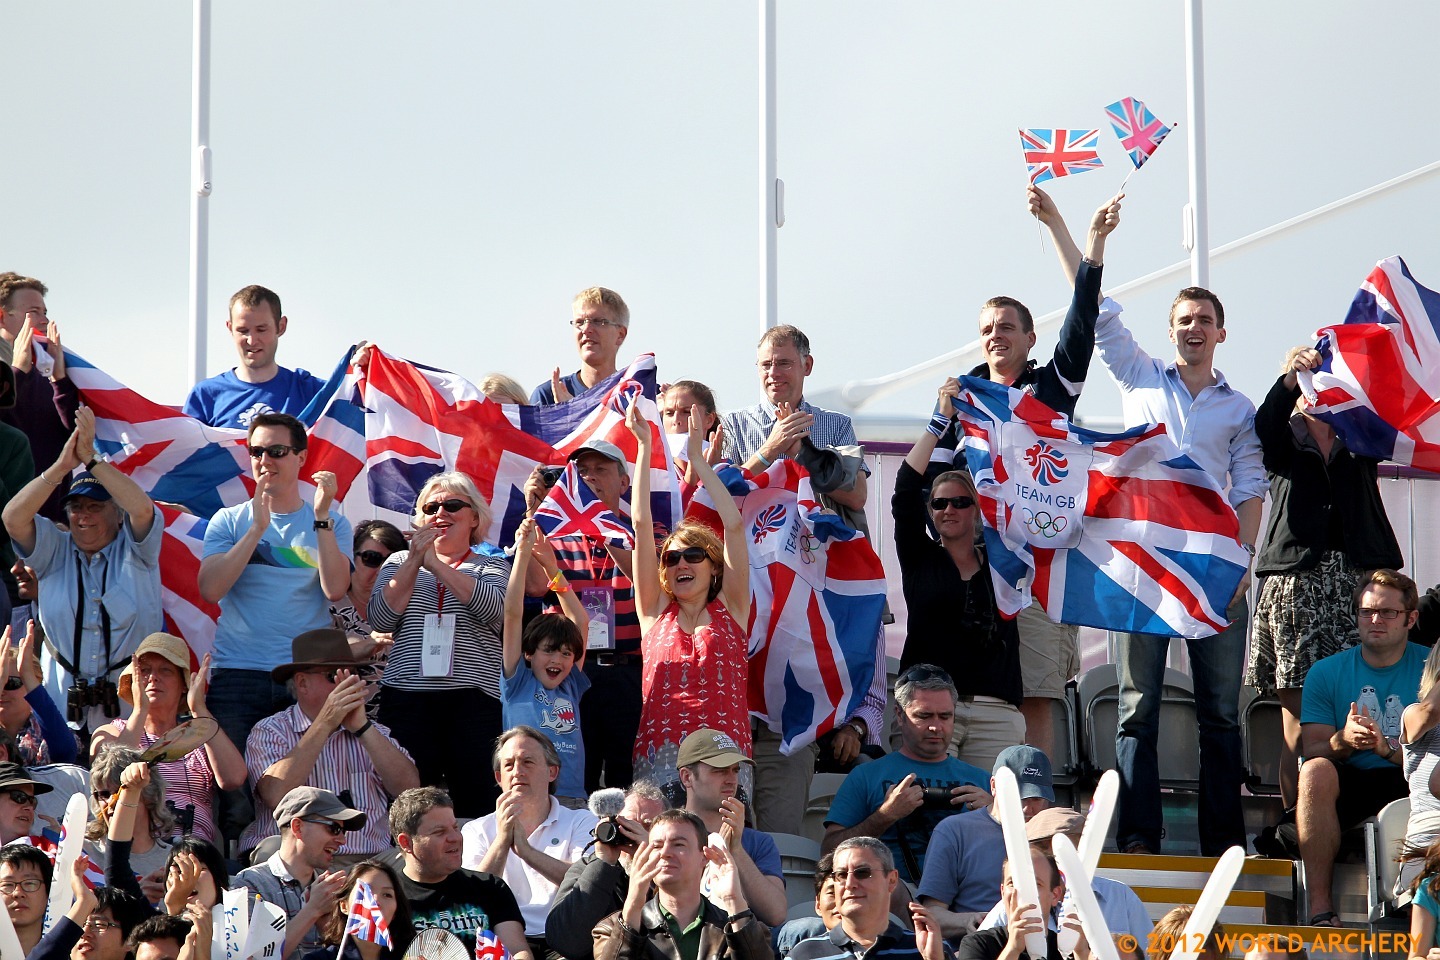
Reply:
x=253, y=411
x=560, y=716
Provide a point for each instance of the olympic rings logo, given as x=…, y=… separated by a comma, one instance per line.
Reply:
x=1041, y=523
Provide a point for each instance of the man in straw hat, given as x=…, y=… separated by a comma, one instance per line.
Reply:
x=325, y=740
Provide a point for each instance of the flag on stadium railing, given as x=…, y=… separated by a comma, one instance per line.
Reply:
x=421, y=421
x=1116, y=531
x=365, y=921
x=818, y=596
x=1378, y=384
x=571, y=509
x=1059, y=153
x=488, y=946
x=1139, y=132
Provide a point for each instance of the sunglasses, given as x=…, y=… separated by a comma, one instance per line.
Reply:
x=922, y=671
x=14, y=683
x=959, y=503
x=277, y=451
x=689, y=555
x=331, y=827
x=859, y=873
x=21, y=797
x=453, y=505
x=372, y=558
x=364, y=671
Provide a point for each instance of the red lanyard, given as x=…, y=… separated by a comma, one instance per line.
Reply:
x=440, y=587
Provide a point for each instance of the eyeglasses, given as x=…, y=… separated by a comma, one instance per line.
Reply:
x=453, y=505
x=21, y=797
x=8, y=887
x=373, y=558
x=781, y=366
x=99, y=924
x=580, y=322
x=14, y=683
x=860, y=874
x=959, y=503
x=277, y=451
x=331, y=827
x=1366, y=613
x=689, y=555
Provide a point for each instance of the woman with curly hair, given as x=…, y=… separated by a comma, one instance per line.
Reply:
x=693, y=601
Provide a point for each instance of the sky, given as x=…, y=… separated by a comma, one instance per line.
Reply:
x=442, y=177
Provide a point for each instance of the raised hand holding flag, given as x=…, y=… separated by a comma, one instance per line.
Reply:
x=1139, y=131
x=1059, y=152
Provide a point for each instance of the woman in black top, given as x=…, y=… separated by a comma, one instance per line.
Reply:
x=953, y=621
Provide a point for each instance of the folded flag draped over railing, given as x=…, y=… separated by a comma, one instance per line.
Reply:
x=818, y=592
x=1117, y=531
x=1379, y=382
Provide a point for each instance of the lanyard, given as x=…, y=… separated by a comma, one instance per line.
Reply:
x=79, y=616
x=440, y=586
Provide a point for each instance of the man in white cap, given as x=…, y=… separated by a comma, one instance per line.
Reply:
x=709, y=763
x=297, y=878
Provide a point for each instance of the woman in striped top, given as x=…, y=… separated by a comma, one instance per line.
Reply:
x=443, y=599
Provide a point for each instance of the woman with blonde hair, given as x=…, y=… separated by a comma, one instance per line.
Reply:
x=1420, y=741
x=443, y=600
x=694, y=602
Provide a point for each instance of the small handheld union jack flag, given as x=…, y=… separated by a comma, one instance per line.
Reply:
x=571, y=510
x=1059, y=153
x=1139, y=132
x=489, y=947
x=366, y=922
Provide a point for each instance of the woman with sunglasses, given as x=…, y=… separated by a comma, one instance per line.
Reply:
x=444, y=603
x=27, y=711
x=953, y=621
x=692, y=601
x=147, y=824
x=375, y=542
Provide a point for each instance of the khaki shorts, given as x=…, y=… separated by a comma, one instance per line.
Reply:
x=983, y=727
x=1049, y=654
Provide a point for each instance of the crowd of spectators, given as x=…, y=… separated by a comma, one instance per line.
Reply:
x=360, y=676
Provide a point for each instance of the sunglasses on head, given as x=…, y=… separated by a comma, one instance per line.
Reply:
x=21, y=797
x=331, y=827
x=277, y=451
x=14, y=683
x=959, y=503
x=453, y=505
x=922, y=671
x=689, y=555
x=372, y=558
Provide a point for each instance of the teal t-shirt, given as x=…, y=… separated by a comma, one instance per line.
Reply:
x=1344, y=678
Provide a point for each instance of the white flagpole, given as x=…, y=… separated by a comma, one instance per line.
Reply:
x=1197, y=217
x=772, y=213
x=199, y=185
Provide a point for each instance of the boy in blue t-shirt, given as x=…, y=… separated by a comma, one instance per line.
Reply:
x=546, y=694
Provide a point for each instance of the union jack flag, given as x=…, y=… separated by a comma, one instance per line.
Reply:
x=1059, y=153
x=1139, y=132
x=488, y=946
x=365, y=921
x=1377, y=384
x=818, y=593
x=571, y=509
x=1148, y=542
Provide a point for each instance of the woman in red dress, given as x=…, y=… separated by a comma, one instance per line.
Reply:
x=694, y=607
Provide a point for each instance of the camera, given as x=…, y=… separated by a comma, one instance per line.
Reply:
x=551, y=475
x=938, y=798
x=608, y=832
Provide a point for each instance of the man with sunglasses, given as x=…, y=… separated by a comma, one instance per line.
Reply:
x=1350, y=727
x=274, y=564
x=865, y=882
x=600, y=321
x=298, y=877
x=324, y=740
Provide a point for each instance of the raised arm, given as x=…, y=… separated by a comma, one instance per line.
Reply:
x=125, y=492
x=919, y=456
x=736, y=588
x=19, y=515
x=514, y=619
x=645, y=565
x=1102, y=224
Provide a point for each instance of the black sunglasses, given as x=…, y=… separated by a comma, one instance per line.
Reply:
x=922, y=671
x=333, y=828
x=959, y=503
x=21, y=797
x=689, y=555
x=372, y=558
x=453, y=505
x=277, y=451
x=14, y=683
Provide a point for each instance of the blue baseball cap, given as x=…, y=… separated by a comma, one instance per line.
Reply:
x=86, y=485
x=1031, y=768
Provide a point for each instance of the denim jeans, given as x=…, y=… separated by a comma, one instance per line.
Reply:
x=1216, y=665
x=239, y=699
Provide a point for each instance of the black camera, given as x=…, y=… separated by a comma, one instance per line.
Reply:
x=608, y=832
x=551, y=475
x=938, y=798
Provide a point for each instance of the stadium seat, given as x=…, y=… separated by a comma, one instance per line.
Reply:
x=822, y=791
x=1099, y=702
x=1263, y=733
x=1066, y=764
x=1383, y=838
x=798, y=857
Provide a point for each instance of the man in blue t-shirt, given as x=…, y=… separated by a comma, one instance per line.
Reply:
x=601, y=321
x=902, y=796
x=258, y=384
x=709, y=763
x=1350, y=729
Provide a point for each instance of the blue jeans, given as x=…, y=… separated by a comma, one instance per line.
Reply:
x=239, y=699
x=1216, y=665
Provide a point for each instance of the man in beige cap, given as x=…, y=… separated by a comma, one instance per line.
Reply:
x=325, y=740
x=297, y=878
x=709, y=763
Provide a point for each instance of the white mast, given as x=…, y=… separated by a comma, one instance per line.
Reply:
x=199, y=185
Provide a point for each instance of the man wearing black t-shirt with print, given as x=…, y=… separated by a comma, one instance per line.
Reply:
x=466, y=903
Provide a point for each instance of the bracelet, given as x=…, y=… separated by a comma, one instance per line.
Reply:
x=939, y=423
x=742, y=915
x=361, y=732
x=765, y=461
x=558, y=583
x=129, y=804
x=53, y=483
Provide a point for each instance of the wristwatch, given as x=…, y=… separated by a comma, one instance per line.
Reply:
x=326, y=524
